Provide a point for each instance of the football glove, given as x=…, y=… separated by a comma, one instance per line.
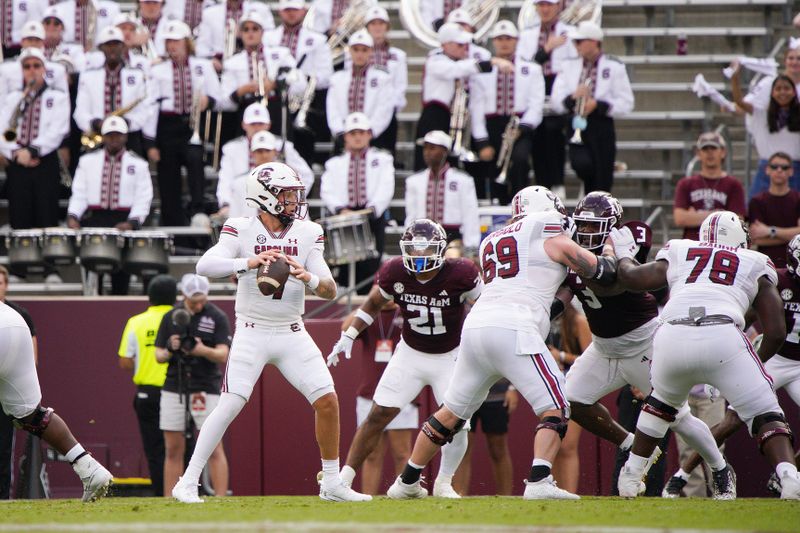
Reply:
x=344, y=344
x=624, y=244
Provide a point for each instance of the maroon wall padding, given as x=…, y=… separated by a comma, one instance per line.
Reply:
x=271, y=446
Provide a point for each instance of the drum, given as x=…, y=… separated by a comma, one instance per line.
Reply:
x=101, y=249
x=60, y=246
x=146, y=252
x=349, y=238
x=25, y=251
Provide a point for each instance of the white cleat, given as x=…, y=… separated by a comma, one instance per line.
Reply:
x=445, y=490
x=546, y=489
x=401, y=491
x=630, y=484
x=790, y=487
x=186, y=492
x=342, y=493
x=96, y=479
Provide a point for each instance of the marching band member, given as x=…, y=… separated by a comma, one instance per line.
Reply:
x=601, y=83
x=134, y=37
x=112, y=188
x=360, y=178
x=153, y=20
x=38, y=127
x=548, y=44
x=495, y=97
x=443, y=67
x=11, y=75
x=444, y=194
x=328, y=14
x=189, y=11
x=78, y=16
x=240, y=82
x=183, y=85
x=263, y=149
x=435, y=12
x=15, y=14
x=70, y=55
x=237, y=157
x=213, y=26
x=364, y=88
x=112, y=86
x=462, y=17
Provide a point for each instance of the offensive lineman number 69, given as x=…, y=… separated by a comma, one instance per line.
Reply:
x=507, y=259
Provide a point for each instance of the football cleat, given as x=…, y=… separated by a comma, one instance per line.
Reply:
x=674, y=487
x=630, y=484
x=790, y=487
x=94, y=476
x=444, y=490
x=340, y=492
x=186, y=492
x=401, y=491
x=774, y=484
x=546, y=489
x=724, y=484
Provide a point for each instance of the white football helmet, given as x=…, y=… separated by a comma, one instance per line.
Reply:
x=536, y=199
x=724, y=227
x=266, y=182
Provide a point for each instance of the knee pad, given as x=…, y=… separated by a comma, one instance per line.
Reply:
x=659, y=409
x=432, y=428
x=770, y=425
x=554, y=423
x=656, y=417
x=39, y=420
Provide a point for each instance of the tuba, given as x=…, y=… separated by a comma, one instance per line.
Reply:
x=484, y=12
x=350, y=22
x=575, y=12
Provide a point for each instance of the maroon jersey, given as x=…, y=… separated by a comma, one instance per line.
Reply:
x=789, y=289
x=387, y=325
x=433, y=312
x=709, y=194
x=780, y=211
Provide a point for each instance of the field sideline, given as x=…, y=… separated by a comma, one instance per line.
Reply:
x=294, y=513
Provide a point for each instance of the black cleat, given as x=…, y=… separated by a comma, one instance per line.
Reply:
x=673, y=487
x=724, y=484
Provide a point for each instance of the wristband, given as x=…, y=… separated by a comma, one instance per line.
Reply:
x=313, y=282
x=352, y=332
x=365, y=317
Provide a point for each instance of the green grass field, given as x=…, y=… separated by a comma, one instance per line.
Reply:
x=289, y=513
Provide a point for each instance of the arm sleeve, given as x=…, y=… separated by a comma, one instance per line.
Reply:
x=82, y=113
x=443, y=68
x=400, y=80
x=535, y=105
x=333, y=103
x=79, y=201
x=622, y=103
x=412, y=204
x=211, y=83
x=755, y=212
x=315, y=263
x=322, y=64
x=222, y=259
x=143, y=194
x=559, y=93
x=52, y=133
x=385, y=189
x=294, y=160
x=477, y=110
x=224, y=180
x=470, y=225
x=128, y=345
x=203, y=45
x=385, y=108
x=330, y=193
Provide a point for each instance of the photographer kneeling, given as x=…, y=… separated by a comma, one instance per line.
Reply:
x=194, y=338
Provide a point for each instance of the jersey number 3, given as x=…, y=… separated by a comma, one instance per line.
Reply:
x=500, y=259
x=724, y=265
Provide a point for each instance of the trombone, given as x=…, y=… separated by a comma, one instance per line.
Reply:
x=510, y=135
x=579, y=122
x=257, y=67
x=459, y=120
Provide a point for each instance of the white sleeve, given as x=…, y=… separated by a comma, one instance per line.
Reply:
x=665, y=253
x=143, y=196
x=474, y=293
x=477, y=111
x=452, y=70
x=331, y=195
x=622, y=94
x=559, y=93
x=400, y=80
x=412, y=204
x=132, y=346
x=224, y=180
x=315, y=263
x=322, y=64
x=470, y=224
x=221, y=260
x=382, y=116
x=79, y=201
x=52, y=133
x=82, y=114
x=336, y=103
x=385, y=190
x=535, y=105
x=211, y=84
x=203, y=45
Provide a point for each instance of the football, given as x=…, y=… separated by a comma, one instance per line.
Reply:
x=270, y=278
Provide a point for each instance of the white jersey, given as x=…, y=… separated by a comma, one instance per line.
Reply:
x=722, y=279
x=246, y=237
x=520, y=278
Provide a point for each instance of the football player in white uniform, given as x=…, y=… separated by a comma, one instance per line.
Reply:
x=269, y=329
x=712, y=284
x=523, y=264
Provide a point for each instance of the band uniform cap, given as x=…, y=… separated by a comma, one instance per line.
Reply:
x=710, y=138
x=114, y=125
x=32, y=52
x=263, y=140
x=504, y=28
x=110, y=34
x=361, y=37
x=291, y=4
x=192, y=284
x=461, y=16
x=52, y=12
x=450, y=32
x=587, y=30
x=357, y=121
x=33, y=29
x=177, y=30
x=376, y=13
x=439, y=138
x=256, y=113
x=253, y=16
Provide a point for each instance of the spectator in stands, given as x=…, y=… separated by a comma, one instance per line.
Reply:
x=444, y=194
x=594, y=89
x=137, y=353
x=361, y=178
x=712, y=189
x=112, y=188
x=774, y=214
x=38, y=119
x=18, y=12
x=11, y=76
x=76, y=14
x=774, y=125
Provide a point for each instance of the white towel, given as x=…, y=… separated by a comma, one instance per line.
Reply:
x=702, y=88
x=767, y=67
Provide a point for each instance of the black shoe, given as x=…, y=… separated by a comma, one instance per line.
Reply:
x=724, y=484
x=673, y=487
x=774, y=484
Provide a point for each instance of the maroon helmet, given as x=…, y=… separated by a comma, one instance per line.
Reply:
x=793, y=256
x=422, y=245
x=595, y=216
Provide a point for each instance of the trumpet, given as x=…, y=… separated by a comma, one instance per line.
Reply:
x=194, y=117
x=459, y=119
x=510, y=135
x=91, y=139
x=579, y=120
x=28, y=95
x=305, y=103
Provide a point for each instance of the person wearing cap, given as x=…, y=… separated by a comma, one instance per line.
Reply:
x=179, y=84
x=189, y=11
x=193, y=382
x=363, y=88
x=55, y=75
x=213, y=26
x=70, y=55
x=548, y=44
x=263, y=149
x=444, y=194
x=18, y=12
x=152, y=19
x=495, y=97
x=444, y=67
x=602, y=83
x=134, y=37
x=237, y=157
x=712, y=189
x=114, y=85
x=328, y=13
x=137, y=353
x=360, y=178
x=76, y=13
x=32, y=174
x=463, y=18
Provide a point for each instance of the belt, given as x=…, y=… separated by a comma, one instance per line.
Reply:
x=708, y=320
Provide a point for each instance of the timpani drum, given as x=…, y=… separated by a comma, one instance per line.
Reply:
x=146, y=252
x=60, y=246
x=348, y=238
x=25, y=251
x=101, y=249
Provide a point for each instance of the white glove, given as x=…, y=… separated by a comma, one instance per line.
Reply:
x=624, y=244
x=344, y=344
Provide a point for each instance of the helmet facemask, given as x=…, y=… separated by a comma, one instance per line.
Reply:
x=592, y=231
x=422, y=255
